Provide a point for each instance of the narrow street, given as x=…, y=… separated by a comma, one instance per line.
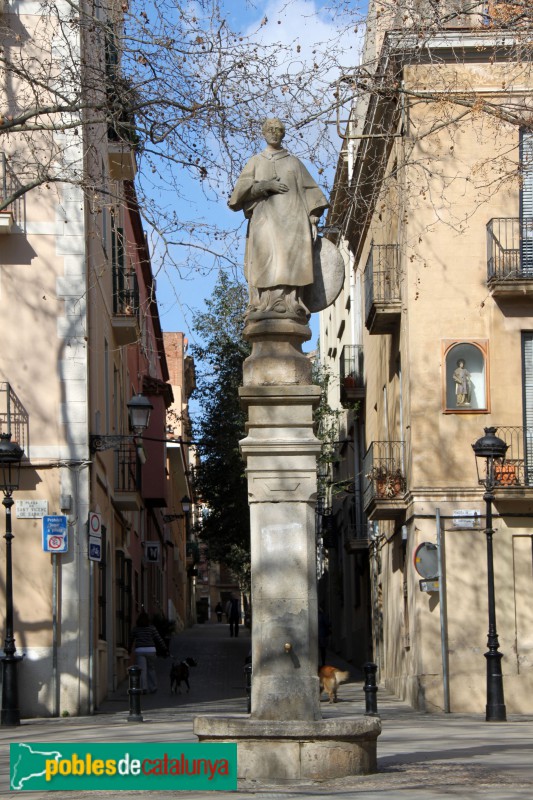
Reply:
x=420, y=756
x=216, y=683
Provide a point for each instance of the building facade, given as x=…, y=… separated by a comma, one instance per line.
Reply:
x=81, y=337
x=429, y=344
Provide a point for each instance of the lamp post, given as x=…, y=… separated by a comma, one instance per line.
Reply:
x=491, y=449
x=186, y=508
x=139, y=410
x=10, y=457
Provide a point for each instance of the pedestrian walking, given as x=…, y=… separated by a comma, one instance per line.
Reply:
x=218, y=611
x=234, y=616
x=144, y=641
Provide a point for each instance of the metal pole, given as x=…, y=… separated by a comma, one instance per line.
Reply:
x=10, y=715
x=495, y=711
x=55, y=677
x=443, y=616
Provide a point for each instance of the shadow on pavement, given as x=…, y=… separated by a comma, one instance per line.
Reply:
x=218, y=678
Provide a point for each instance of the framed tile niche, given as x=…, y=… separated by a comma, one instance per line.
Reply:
x=465, y=376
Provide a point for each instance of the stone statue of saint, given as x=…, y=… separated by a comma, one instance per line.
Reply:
x=463, y=384
x=283, y=204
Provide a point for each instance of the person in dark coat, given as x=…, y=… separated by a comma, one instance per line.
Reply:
x=234, y=616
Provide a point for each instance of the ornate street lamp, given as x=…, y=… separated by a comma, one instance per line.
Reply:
x=186, y=508
x=139, y=410
x=10, y=457
x=489, y=451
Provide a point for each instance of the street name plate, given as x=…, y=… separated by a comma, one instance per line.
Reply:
x=466, y=519
x=31, y=509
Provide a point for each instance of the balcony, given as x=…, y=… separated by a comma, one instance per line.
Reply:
x=384, y=483
x=14, y=418
x=513, y=478
x=127, y=478
x=357, y=539
x=121, y=160
x=382, y=289
x=125, y=320
x=510, y=257
x=122, y=137
x=12, y=215
x=352, y=374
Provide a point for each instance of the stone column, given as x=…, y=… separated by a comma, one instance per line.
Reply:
x=280, y=452
x=285, y=739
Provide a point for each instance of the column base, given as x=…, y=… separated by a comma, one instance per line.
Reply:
x=285, y=751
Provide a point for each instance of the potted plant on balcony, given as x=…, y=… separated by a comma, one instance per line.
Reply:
x=389, y=483
x=505, y=474
x=349, y=382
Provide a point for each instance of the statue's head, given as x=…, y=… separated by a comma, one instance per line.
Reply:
x=273, y=130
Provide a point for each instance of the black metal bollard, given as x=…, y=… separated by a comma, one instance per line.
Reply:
x=135, y=692
x=370, y=689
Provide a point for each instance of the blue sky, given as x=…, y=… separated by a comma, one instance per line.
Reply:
x=301, y=21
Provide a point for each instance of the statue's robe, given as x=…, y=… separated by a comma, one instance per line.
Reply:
x=279, y=246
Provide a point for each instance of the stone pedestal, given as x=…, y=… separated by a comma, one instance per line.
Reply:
x=296, y=751
x=285, y=738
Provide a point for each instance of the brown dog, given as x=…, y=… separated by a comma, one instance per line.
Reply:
x=330, y=680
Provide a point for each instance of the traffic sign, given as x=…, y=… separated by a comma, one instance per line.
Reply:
x=55, y=533
x=95, y=524
x=427, y=560
x=95, y=548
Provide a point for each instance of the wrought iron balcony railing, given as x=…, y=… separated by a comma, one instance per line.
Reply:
x=125, y=292
x=383, y=472
x=9, y=185
x=382, y=287
x=382, y=274
x=352, y=373
x=517, y=468
x=14, y=418
x=127, y=469
x=510, y=249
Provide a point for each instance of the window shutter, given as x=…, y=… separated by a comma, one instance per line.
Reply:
x=526, y=202
x=527, y=370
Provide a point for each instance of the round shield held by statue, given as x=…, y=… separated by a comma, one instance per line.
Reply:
x=328, y=274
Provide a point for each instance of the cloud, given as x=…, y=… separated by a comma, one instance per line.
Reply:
x=313, y=44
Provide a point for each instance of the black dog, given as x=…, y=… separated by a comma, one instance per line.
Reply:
x=179, y=672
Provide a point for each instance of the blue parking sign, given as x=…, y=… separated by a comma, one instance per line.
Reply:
x=95, y=549
x=55, y=533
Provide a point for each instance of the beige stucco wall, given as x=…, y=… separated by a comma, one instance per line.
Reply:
x=437, y=209
x=445, y=297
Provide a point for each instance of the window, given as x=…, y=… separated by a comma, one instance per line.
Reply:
x=465, y=376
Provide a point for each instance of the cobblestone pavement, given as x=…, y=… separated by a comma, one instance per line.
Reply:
x=420, y=756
